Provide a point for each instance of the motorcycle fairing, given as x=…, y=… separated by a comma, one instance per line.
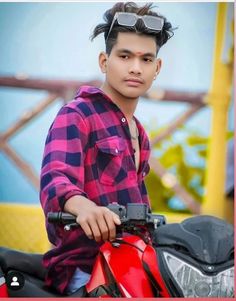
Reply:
x=101, y=283
x=128, y=248
x=3, y=286
x=145, y=262
x=152, y=269
x=206, y=238
x=3, y=291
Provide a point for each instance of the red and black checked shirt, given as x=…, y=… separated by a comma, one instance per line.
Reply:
x=88, y=152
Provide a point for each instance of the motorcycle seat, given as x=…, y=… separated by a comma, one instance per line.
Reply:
x=21, y=261
x=34, y=287
x=30, y=266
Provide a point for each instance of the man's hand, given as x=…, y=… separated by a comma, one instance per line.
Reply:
x=98, y=222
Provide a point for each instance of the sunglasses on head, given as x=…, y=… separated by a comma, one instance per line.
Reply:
x=154, y=23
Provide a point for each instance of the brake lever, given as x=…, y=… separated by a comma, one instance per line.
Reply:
x=156, y=220
x=69, y=227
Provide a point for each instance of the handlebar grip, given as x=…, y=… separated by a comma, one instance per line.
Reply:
x=53, y=217
x=67, y=218
x=61, y=218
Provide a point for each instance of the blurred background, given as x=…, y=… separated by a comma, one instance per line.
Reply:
x=46, y=54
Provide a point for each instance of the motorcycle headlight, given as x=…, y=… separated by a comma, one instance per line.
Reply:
x=194, y=283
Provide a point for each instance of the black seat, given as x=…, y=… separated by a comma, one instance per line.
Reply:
x=30, y=266
x=34, y=287
x=21, y=261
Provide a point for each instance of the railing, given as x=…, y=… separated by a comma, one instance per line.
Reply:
x=64, y=89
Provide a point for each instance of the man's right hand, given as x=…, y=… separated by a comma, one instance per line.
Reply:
x=98, y=222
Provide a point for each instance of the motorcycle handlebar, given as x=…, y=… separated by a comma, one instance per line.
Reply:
x=61, y=218
x=132, y=215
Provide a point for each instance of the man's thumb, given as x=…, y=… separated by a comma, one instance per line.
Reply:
x=116, y=219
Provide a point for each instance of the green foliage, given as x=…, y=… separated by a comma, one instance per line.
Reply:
x=175, y=154
x=158, y=194
x=184, y=155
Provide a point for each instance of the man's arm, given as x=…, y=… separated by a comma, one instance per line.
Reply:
x=62, y=173
x=63, y=162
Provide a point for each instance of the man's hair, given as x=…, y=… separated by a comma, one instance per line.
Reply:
x=160, y=37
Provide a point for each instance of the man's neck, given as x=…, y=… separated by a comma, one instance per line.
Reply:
x=125, y=104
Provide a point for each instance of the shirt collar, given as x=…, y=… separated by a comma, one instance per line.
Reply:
x=87, y=91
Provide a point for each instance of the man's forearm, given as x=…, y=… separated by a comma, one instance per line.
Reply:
x=76, y=203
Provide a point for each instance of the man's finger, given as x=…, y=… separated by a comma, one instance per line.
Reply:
x=95, y=230
x=116, y=219
x=104, y=229
x=111, y=225
x=87, y=230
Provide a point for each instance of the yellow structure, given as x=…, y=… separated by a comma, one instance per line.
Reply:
x=22, y=227
x=219, y=99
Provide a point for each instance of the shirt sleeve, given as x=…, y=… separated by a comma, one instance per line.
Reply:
x=62, y=173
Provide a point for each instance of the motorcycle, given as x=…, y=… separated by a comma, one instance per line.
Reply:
x=194, y=258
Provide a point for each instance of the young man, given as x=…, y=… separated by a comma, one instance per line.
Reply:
x=96, y=151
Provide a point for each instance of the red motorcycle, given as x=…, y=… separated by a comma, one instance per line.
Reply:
x=194, y=258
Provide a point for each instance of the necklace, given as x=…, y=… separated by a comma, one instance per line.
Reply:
x=136, y=131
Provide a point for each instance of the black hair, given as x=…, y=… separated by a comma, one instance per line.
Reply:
x=160, y=37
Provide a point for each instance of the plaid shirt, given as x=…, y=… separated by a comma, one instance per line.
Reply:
x=88, y=152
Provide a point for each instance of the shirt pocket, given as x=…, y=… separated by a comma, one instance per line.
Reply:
x=110, y=160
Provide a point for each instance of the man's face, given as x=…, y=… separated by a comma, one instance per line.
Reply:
x=132, y=64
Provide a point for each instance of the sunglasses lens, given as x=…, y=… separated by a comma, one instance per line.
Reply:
x=126, y=19
x=153, y=22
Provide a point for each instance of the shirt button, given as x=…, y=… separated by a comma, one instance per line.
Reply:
x=116, y=150
x=144, y=174
x=123, y=120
